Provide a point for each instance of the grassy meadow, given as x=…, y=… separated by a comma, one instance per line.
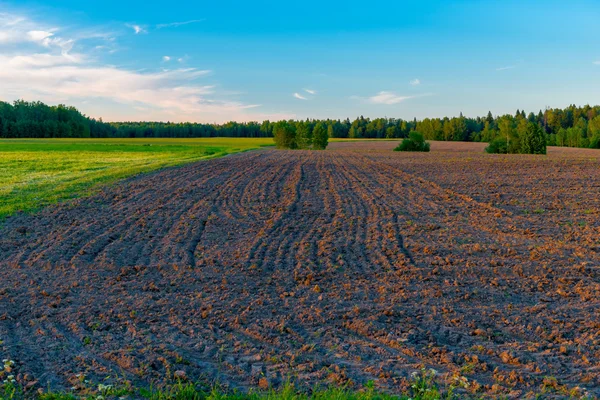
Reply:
x=38, y=172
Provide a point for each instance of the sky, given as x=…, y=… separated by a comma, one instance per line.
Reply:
x=216, y=61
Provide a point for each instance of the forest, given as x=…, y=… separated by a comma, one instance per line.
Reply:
x=572, y=126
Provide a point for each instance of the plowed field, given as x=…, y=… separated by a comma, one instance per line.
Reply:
x=341, y=266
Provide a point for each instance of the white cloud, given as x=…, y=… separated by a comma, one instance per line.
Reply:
x=505, y=68
x=137, y=28
x=17, y=30
x=39, y=36
x=597, y=62
x=166, y=58
x=310, y=91
x=388, y=98
x=44, y=66
x=415, y=82
x=177, y=24
x=299, y=96
x=62, y=76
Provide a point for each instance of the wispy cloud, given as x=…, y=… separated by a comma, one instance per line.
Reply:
x=12, y=28
x=310, y=91
x=505, y=68
x=597, y=62
x=388, y=98
x=177, y=24
x=299, y=96
x=415, y=82
x=40, y=63
x=137, y=29
x=166, y=58
x=183, y=59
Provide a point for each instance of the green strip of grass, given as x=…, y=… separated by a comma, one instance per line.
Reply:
x=189, y=391
x=37, y=172
x=423, y=385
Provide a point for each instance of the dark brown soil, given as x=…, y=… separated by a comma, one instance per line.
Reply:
x=342, y=266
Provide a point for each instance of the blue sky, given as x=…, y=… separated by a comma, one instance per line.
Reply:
x=217, y=61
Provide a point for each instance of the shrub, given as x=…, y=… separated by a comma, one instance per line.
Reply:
x=414, y=142
x=595, y=143
x=320, y=137
x=300, y=135
x=497, y=146
x=284, y=135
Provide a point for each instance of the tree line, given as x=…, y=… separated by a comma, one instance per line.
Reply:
x=572, y=126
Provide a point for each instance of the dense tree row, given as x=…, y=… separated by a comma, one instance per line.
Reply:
x=190, y=130
x=572, y=126
x=36, y=120
x=24, y=119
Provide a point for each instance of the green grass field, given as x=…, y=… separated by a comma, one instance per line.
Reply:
x=422, y=388
x=38, y=172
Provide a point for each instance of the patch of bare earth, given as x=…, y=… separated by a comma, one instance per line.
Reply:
x=341, y=266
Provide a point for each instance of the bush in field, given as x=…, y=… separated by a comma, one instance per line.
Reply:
x=304, y=135
x=497, y=146
x=595, y=143
x=284, y=135
x=300, y=135
x=414, y=142
x=320, y=137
